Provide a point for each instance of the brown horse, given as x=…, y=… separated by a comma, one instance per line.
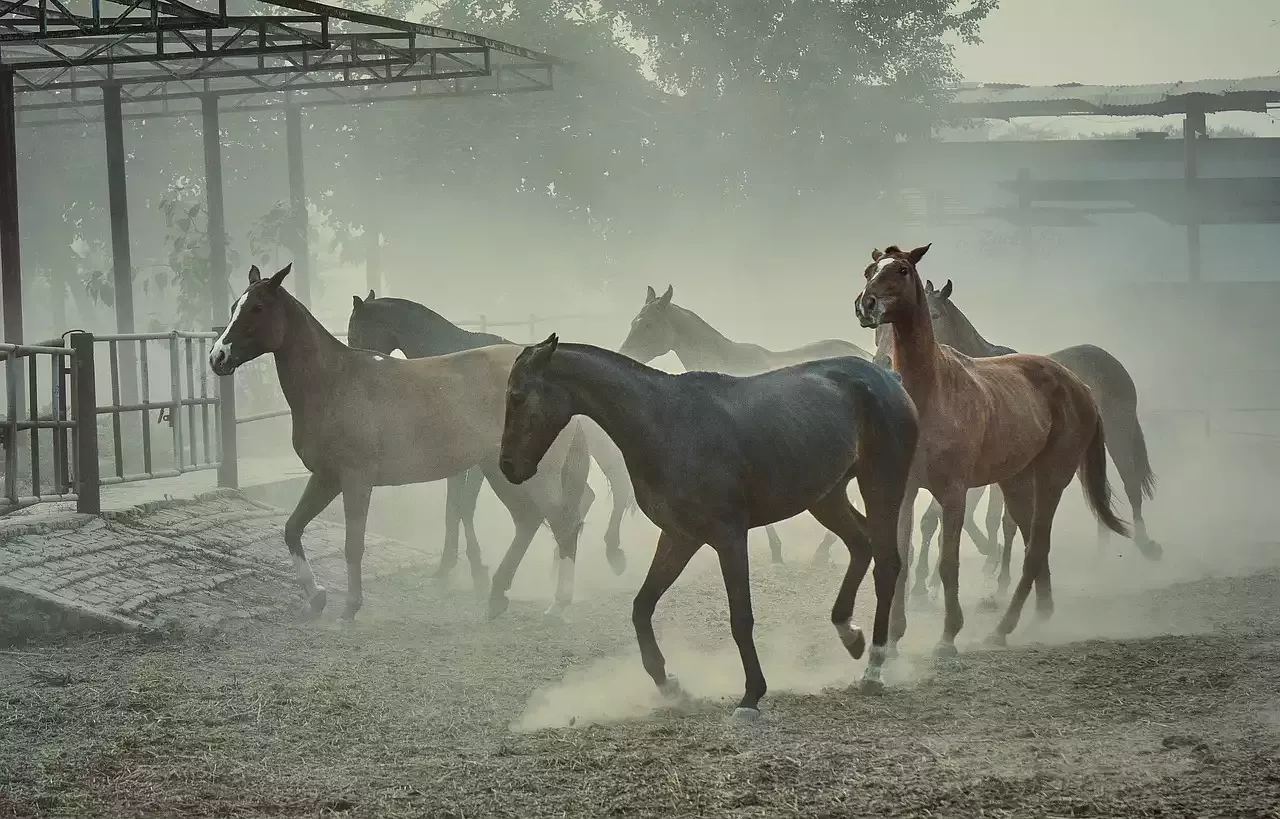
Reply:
x=712, y=456
x=362, y=419
x=1024, y=422
x=663, y=327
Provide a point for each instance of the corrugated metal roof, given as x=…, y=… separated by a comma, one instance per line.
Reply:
x=1011, y=100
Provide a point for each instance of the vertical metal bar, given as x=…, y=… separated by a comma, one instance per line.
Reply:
x=219, y=289
x=85, y=402
x=117, y=443
x=11, y=428
x=228, y=467
x=175, y=399
x=33, y=392
x=204, y=406
x=191, y=408
x=298, y=205
x=59, y=413
x=10, y=257
x=1192, y=124
x=146, y=412
x=122, y=263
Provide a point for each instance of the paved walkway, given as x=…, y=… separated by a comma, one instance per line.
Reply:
x=191, y=561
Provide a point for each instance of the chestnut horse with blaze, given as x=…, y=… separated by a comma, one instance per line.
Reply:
x=1022, y=421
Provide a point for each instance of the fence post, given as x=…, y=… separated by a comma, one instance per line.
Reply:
x=85, y=407
x=228, y=457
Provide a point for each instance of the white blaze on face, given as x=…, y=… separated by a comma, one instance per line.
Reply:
x=884, y=262
x=221, y=349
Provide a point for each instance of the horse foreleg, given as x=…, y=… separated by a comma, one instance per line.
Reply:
x=732, y=550
x=467, y=513
x=995, y=513
x=669, y=560
x=615, y=472
x=985, y=545
x=898, y=612
x=953, y=514
x=775, y=544
x=318, y=494
x=454, y=486
x=928, y=528
x=527, y=518
x=356, y=491
x=822, y=555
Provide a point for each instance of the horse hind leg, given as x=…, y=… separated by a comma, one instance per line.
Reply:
x=527, y=518
x=928, y=528
x=473, y=480
x=316, y=496
x=1048, y=488
x=995, y=514
x=775, y=545
x=1128, y=451
x=454, y=487
x=1019, y=507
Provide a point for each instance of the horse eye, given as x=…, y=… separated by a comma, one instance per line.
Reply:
x=257, y=308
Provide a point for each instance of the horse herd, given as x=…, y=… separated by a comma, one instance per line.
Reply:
x=745, y=438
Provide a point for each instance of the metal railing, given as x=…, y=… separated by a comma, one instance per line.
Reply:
x=190, y=410
x=74, y=462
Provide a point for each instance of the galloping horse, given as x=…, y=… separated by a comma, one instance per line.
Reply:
x=389, y=324
x=662, y=327
x=1023, y=421
x=713, y=455
x=362, y=419
x=1117, y=398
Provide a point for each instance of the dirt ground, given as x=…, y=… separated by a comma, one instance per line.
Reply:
x=1153, y=691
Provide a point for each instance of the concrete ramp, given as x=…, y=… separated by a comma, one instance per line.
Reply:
x=191, y=562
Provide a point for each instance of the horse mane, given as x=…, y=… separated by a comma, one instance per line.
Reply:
x=957, y=316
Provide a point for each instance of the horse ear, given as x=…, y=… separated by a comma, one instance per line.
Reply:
x=916, y=255
x=876, y=255
x=275, y=280
x=650, y=296
x=928, y=285
x=370, y=297
x=542, y=352
x=666, y=297
x=255, y=275
x=356, y=304
x=946, y=290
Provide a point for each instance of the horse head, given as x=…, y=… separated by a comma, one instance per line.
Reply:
x=652, y=333
x=258, y=324
x=537, y=410
x=893, y=292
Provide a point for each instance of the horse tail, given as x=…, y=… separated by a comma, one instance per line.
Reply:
x=1142, y=461
x=1093, y=476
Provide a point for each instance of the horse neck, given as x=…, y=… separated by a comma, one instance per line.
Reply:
x=916, y=356
x=306, y=359
x=966, y=337
x=624, y=397
x=698, y=345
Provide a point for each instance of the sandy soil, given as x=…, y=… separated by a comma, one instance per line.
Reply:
x=1152, y=692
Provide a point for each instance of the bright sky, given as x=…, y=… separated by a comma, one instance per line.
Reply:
x=1128, y=42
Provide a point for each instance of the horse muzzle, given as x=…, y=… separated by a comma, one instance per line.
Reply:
x=516, y=472
x=869, y=310
x=221, y=363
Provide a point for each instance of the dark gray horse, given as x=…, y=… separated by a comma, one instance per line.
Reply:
x=390, y=324
x=713, y=455
x=663, y=327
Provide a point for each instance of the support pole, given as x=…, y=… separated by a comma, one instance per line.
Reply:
x=219, y=281
x=1192, y=125
x=10, y=254
x=121, y=260
x=84, y=410
x=298, y=205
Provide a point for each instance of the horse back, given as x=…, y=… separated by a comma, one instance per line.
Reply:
x=1100, y=370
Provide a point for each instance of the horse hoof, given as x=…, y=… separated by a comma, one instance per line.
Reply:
x=349, y=613
x=554, y=617
x=498, y=606
x=988, y=604
x=746, y=715
x=945, y=650
x=854, y=642
x=891, y=650
x=1151, y=550
x=871, y=685
x=820, y=558
x=996, y=640
x=670, y=689
x=617, y=561
x=317, y=601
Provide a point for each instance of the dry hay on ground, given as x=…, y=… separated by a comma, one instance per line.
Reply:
x=411, y=711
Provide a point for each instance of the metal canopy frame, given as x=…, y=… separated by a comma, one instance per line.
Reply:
x=73, y=61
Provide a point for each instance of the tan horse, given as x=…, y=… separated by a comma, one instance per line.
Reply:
x=362, y=419
x=1024, y=422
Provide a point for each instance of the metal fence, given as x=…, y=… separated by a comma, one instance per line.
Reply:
x=167, y=414
x=69, y=418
